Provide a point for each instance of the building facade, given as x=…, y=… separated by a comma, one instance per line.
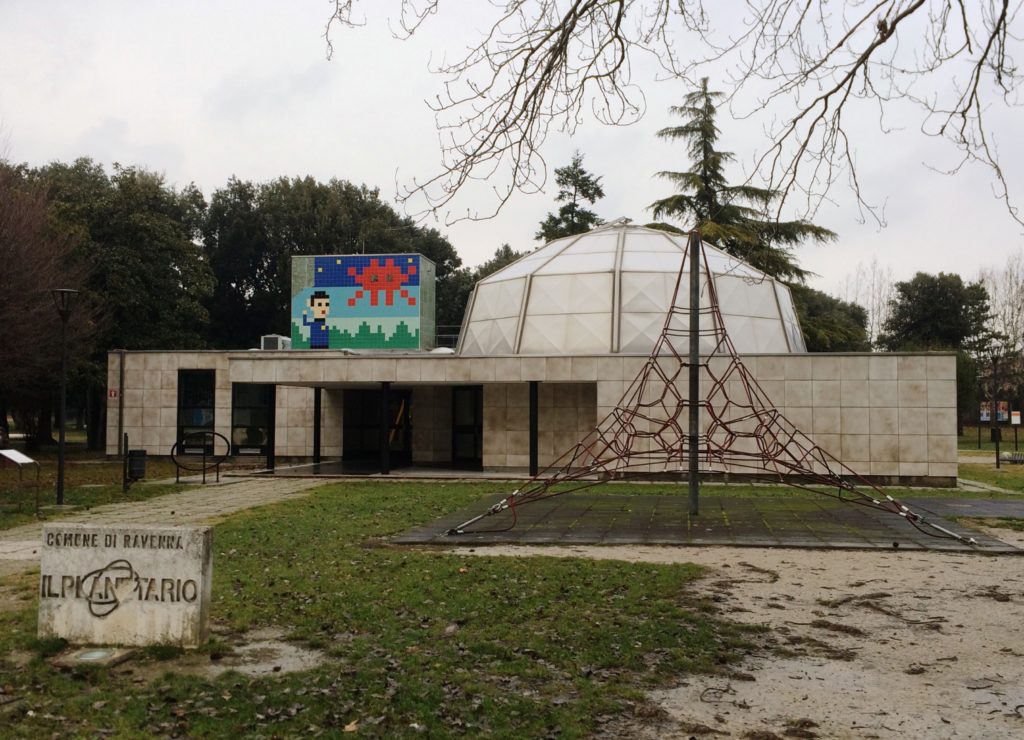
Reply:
x=891, y=417
x=549, y=346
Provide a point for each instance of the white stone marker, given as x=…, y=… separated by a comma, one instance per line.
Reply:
x=125, y=585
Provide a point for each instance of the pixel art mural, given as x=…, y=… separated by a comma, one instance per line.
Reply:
x=373, y=301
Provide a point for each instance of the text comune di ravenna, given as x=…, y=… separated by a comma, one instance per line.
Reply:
x=133, y=541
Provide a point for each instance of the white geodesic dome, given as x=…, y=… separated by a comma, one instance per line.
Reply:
x=608, y=291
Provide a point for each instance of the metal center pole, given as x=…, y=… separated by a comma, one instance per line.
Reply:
x=694, y=369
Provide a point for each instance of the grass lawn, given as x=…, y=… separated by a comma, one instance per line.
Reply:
x=969, y=439
x=983, y=468
x=89, y=480
x=1006, y=476
x=1013, y=523
x=420, y=642
x=18, y=507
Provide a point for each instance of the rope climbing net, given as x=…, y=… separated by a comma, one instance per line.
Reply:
x=741, y=431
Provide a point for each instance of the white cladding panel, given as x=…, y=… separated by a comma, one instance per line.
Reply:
x=596, y=243
x=796, y=337
x=521, y=267
x=645, y=292
x=667, y=262
x=639, y=331
x=789, y=319
x=583, y=293
x=570, y=264
x=752, y=335
x=566, y=334
x=493, y=337
x=500, y=299
x=722, y=263
x=747, y=296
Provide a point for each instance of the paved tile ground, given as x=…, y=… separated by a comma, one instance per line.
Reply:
x=973, y=507
x=605, y=519
x=19, y=547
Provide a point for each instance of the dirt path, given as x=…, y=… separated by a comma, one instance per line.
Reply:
x=877, y=645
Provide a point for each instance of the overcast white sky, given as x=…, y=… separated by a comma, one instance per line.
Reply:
x=202, y=91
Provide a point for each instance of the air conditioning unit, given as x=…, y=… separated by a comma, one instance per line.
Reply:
x=275, y=342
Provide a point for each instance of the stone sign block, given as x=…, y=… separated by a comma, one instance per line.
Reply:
x=125, y=585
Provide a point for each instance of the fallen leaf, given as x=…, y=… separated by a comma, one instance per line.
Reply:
x=978, y=684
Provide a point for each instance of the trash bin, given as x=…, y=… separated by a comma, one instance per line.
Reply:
x=136, y=464
x=996, y=434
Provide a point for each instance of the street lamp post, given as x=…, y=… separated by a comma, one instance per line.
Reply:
x=994, y=351
x=62, y=299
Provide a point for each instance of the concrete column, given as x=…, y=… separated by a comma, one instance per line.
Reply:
x=385, y=428
x=272, y=430
x=534, y=417
x=317, y=417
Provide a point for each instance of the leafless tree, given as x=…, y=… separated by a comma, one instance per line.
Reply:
x=800, y=67
x=1005, y=286
x=34, y=259
x=871, y=287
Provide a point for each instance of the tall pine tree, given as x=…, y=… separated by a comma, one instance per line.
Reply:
x=729, y=216
x=575, y=186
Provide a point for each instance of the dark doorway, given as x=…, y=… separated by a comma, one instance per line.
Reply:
x=252, y=418
x=361, y=435
x=196, y=390
x=468, y=427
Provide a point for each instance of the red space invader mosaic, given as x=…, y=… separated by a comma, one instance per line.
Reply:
x=386, y=279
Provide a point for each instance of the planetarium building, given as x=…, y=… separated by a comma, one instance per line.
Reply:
x=549, y=345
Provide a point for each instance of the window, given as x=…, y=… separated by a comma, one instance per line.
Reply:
x=252, y=418
x=196, y=389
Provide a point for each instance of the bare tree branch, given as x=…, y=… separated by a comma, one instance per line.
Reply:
x=801, y=67
x=870, y=286
x=1005, y=286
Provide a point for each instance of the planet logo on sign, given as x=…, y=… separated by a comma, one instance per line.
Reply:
x=103, y=587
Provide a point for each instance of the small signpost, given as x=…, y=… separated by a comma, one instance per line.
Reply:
x=125, y=585
x=21, y=461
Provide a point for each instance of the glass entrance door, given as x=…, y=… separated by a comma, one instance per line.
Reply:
x=468, y=427
x=361, y=427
